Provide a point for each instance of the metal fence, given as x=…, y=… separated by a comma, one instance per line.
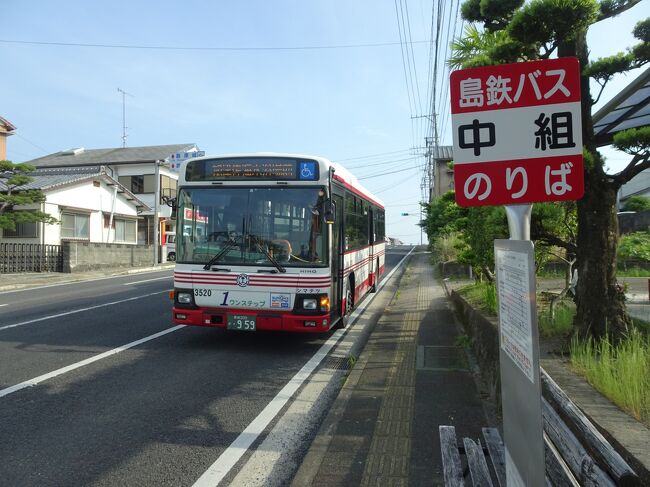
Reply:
x=16, y=257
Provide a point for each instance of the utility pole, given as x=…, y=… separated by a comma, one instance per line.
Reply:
x=156, y=223
x=124, y=93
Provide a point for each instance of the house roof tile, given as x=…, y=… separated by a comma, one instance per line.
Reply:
x=48, y=179
x=121, y=155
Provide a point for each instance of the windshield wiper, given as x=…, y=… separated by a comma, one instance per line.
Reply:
x=268, y=254
x=215, y=259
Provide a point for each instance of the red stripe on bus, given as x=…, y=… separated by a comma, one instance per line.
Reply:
x=357, y=192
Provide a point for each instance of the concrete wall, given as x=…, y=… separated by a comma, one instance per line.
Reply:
x=443, y=178
x=86, y=256
x=634, y=222
x=454, y=269
x=483, y=333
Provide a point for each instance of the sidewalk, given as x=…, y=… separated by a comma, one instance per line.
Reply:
x=410, y=378
x=23, y=280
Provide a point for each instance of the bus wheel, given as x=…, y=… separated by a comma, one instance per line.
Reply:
x=373, y=288
x=171, y=257
x=345, y=319
x=349, y=302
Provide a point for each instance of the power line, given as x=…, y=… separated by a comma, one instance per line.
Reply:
x=382, y=163
x=402, y=50
x=207, y=48
x=389, y=172
x=372, y=155
x=394, y=185
x=401, y=201
x=447, y=107
x=32, y=143
x=409, y=46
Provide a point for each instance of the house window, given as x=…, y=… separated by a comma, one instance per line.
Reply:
x=125, y=230
x=167, y=187
x=23, y=230
x=74, y=225
x=144, y=183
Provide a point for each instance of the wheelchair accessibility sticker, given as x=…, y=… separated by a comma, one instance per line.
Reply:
x=307, y=171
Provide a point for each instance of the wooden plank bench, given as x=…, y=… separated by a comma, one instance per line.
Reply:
x=576, y=453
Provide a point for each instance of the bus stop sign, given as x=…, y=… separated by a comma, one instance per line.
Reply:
x=517, y=132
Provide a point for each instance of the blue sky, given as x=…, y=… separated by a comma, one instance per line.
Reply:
x=344, y=103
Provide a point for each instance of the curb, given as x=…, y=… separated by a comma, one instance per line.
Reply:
x=317, y=451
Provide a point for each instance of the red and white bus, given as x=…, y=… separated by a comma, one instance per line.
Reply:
x=273, y=242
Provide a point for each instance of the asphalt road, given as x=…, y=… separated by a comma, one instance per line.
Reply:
x=75, y=409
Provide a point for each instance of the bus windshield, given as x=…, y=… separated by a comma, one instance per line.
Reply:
x=277, y=227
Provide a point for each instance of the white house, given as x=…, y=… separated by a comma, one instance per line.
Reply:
x=90, y=205
x=135, y=169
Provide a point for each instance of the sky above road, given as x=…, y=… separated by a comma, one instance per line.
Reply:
x=322, y=77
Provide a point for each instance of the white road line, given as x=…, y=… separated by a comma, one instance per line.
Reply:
x=1, y=305
x=220, y=468
x=63, y=370
x=32, y=288
x=59, y=315
x=148, y=280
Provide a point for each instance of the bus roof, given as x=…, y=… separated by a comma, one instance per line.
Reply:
x=340, y=173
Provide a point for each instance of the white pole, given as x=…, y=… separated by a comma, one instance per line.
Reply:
x=156, y=238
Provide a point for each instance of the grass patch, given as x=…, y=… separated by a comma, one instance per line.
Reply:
x=641, y=325
x=481, y=295
x=561, y=324
x=620, y=372
x=551, y=274
x=633, y=272
x=462, y=341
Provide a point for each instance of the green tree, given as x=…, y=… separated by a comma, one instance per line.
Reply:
x=12, y=178
x=637, y=203
x=635, y=246
x=537, y=30
x=553, y=226
x=443, y=216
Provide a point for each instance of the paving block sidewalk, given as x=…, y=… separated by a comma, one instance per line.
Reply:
x=410, y=378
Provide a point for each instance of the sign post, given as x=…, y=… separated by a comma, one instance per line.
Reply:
x=518, y=140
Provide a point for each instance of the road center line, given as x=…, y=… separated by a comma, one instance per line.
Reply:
x=90, y=360
x=147, y=280
x=220, y=468
x=59, y=315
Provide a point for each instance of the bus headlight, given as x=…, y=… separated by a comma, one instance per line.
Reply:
x=324, y=303
x=312, y=303
x=184, y=298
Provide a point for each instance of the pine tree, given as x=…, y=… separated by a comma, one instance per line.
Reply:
x=12, y=178
x=515, y=31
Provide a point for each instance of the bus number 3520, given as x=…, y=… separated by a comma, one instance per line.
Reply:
x=202, y=292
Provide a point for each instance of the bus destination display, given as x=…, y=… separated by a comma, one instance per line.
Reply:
x=242, y=169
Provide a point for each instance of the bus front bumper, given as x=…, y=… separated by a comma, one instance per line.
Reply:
x=264, y=320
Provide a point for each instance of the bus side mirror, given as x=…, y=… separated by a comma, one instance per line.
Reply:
x=171, y=202
x=329, y=211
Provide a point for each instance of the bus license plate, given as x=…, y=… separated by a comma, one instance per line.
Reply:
x=241, y=322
